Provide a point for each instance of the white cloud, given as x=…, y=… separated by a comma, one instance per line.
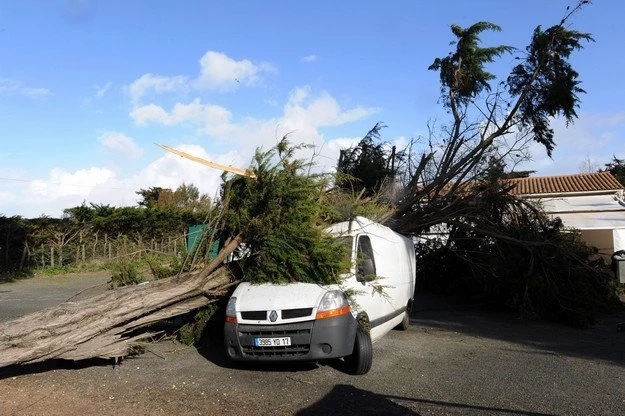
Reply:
x=594, y=137
x=159, y=84
x=101, y=91
x=309, y=58
x=218, y=72
x=211, y=119
x=121, y=143
x=302, y=115
x=302, y=111
x=64, y=189
x=78, y=183
x=60, y=190
x=13, y=87
x=222, y=73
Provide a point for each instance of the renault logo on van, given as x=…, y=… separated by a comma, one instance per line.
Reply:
x=273, y=316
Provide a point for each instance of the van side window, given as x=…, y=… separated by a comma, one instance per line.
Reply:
x=365, y=263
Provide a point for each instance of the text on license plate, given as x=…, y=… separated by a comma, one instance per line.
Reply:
x=272, y=342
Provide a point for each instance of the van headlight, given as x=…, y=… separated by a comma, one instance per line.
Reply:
x=231, y=310
x=332, y=304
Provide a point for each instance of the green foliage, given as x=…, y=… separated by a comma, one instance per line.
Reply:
x=125, y=272
x=134, y=221
x=501, y=249
x=185, y=197
x=94, y=232
x=343, y=206
x=163, y=267
x=150, y=196
x=210, y=316
x=547, y=81
x=279, y=213
x=368, y=166
x=617, y=168
x=7, y=276
x=69, y=269
x=514, y=257
x=517, y=174
x=462, y=72
x=13, y=231
x=542, y=86
x=159, y=269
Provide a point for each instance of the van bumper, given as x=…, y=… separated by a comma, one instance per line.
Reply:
x=310, y=340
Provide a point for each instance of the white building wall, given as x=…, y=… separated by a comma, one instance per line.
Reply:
x=585, y=212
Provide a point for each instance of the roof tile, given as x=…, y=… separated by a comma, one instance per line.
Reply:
x=582, y=182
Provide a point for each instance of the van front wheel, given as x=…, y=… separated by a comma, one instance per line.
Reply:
x=359, y=362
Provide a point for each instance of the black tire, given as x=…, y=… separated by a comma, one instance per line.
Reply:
x=405, y=322
x=359, y=362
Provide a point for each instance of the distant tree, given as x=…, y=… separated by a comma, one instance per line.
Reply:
x=588, y=165
x=188, y=197
x=150, y=196
x=617, y=168
x=81, y=214
x=185, y=197
x=368, y=166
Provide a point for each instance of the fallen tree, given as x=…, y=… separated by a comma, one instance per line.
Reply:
x=102, y=326
x=276, y=213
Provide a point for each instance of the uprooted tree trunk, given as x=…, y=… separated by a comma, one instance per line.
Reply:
x=101, y=326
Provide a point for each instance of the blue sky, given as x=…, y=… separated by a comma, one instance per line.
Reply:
x=88, y=87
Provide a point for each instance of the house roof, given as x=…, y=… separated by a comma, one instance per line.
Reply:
x=581, y=182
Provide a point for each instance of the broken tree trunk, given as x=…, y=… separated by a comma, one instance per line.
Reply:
x=100, y=326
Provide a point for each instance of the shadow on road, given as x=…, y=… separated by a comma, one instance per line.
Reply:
x=213, y=350
x=50, y=365
x=602, y=341
x=348, y=400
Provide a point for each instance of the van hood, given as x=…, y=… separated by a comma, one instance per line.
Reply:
x=268, y=296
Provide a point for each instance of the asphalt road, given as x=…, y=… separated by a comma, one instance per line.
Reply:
x=454, y=360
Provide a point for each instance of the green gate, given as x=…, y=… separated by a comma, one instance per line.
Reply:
x=195, y=233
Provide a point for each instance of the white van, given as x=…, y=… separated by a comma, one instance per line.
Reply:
x=306, y=321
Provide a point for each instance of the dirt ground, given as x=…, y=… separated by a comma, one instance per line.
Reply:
x=453, y=360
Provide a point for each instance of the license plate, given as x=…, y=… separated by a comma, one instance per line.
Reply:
x=272, y=342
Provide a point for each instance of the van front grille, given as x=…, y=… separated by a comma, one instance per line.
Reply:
x=254, y=315
x=300, y=334
x=296, y=313
x=285, y=314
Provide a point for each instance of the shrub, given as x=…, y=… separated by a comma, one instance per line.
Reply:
x=124, y=272
x=540, y=273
